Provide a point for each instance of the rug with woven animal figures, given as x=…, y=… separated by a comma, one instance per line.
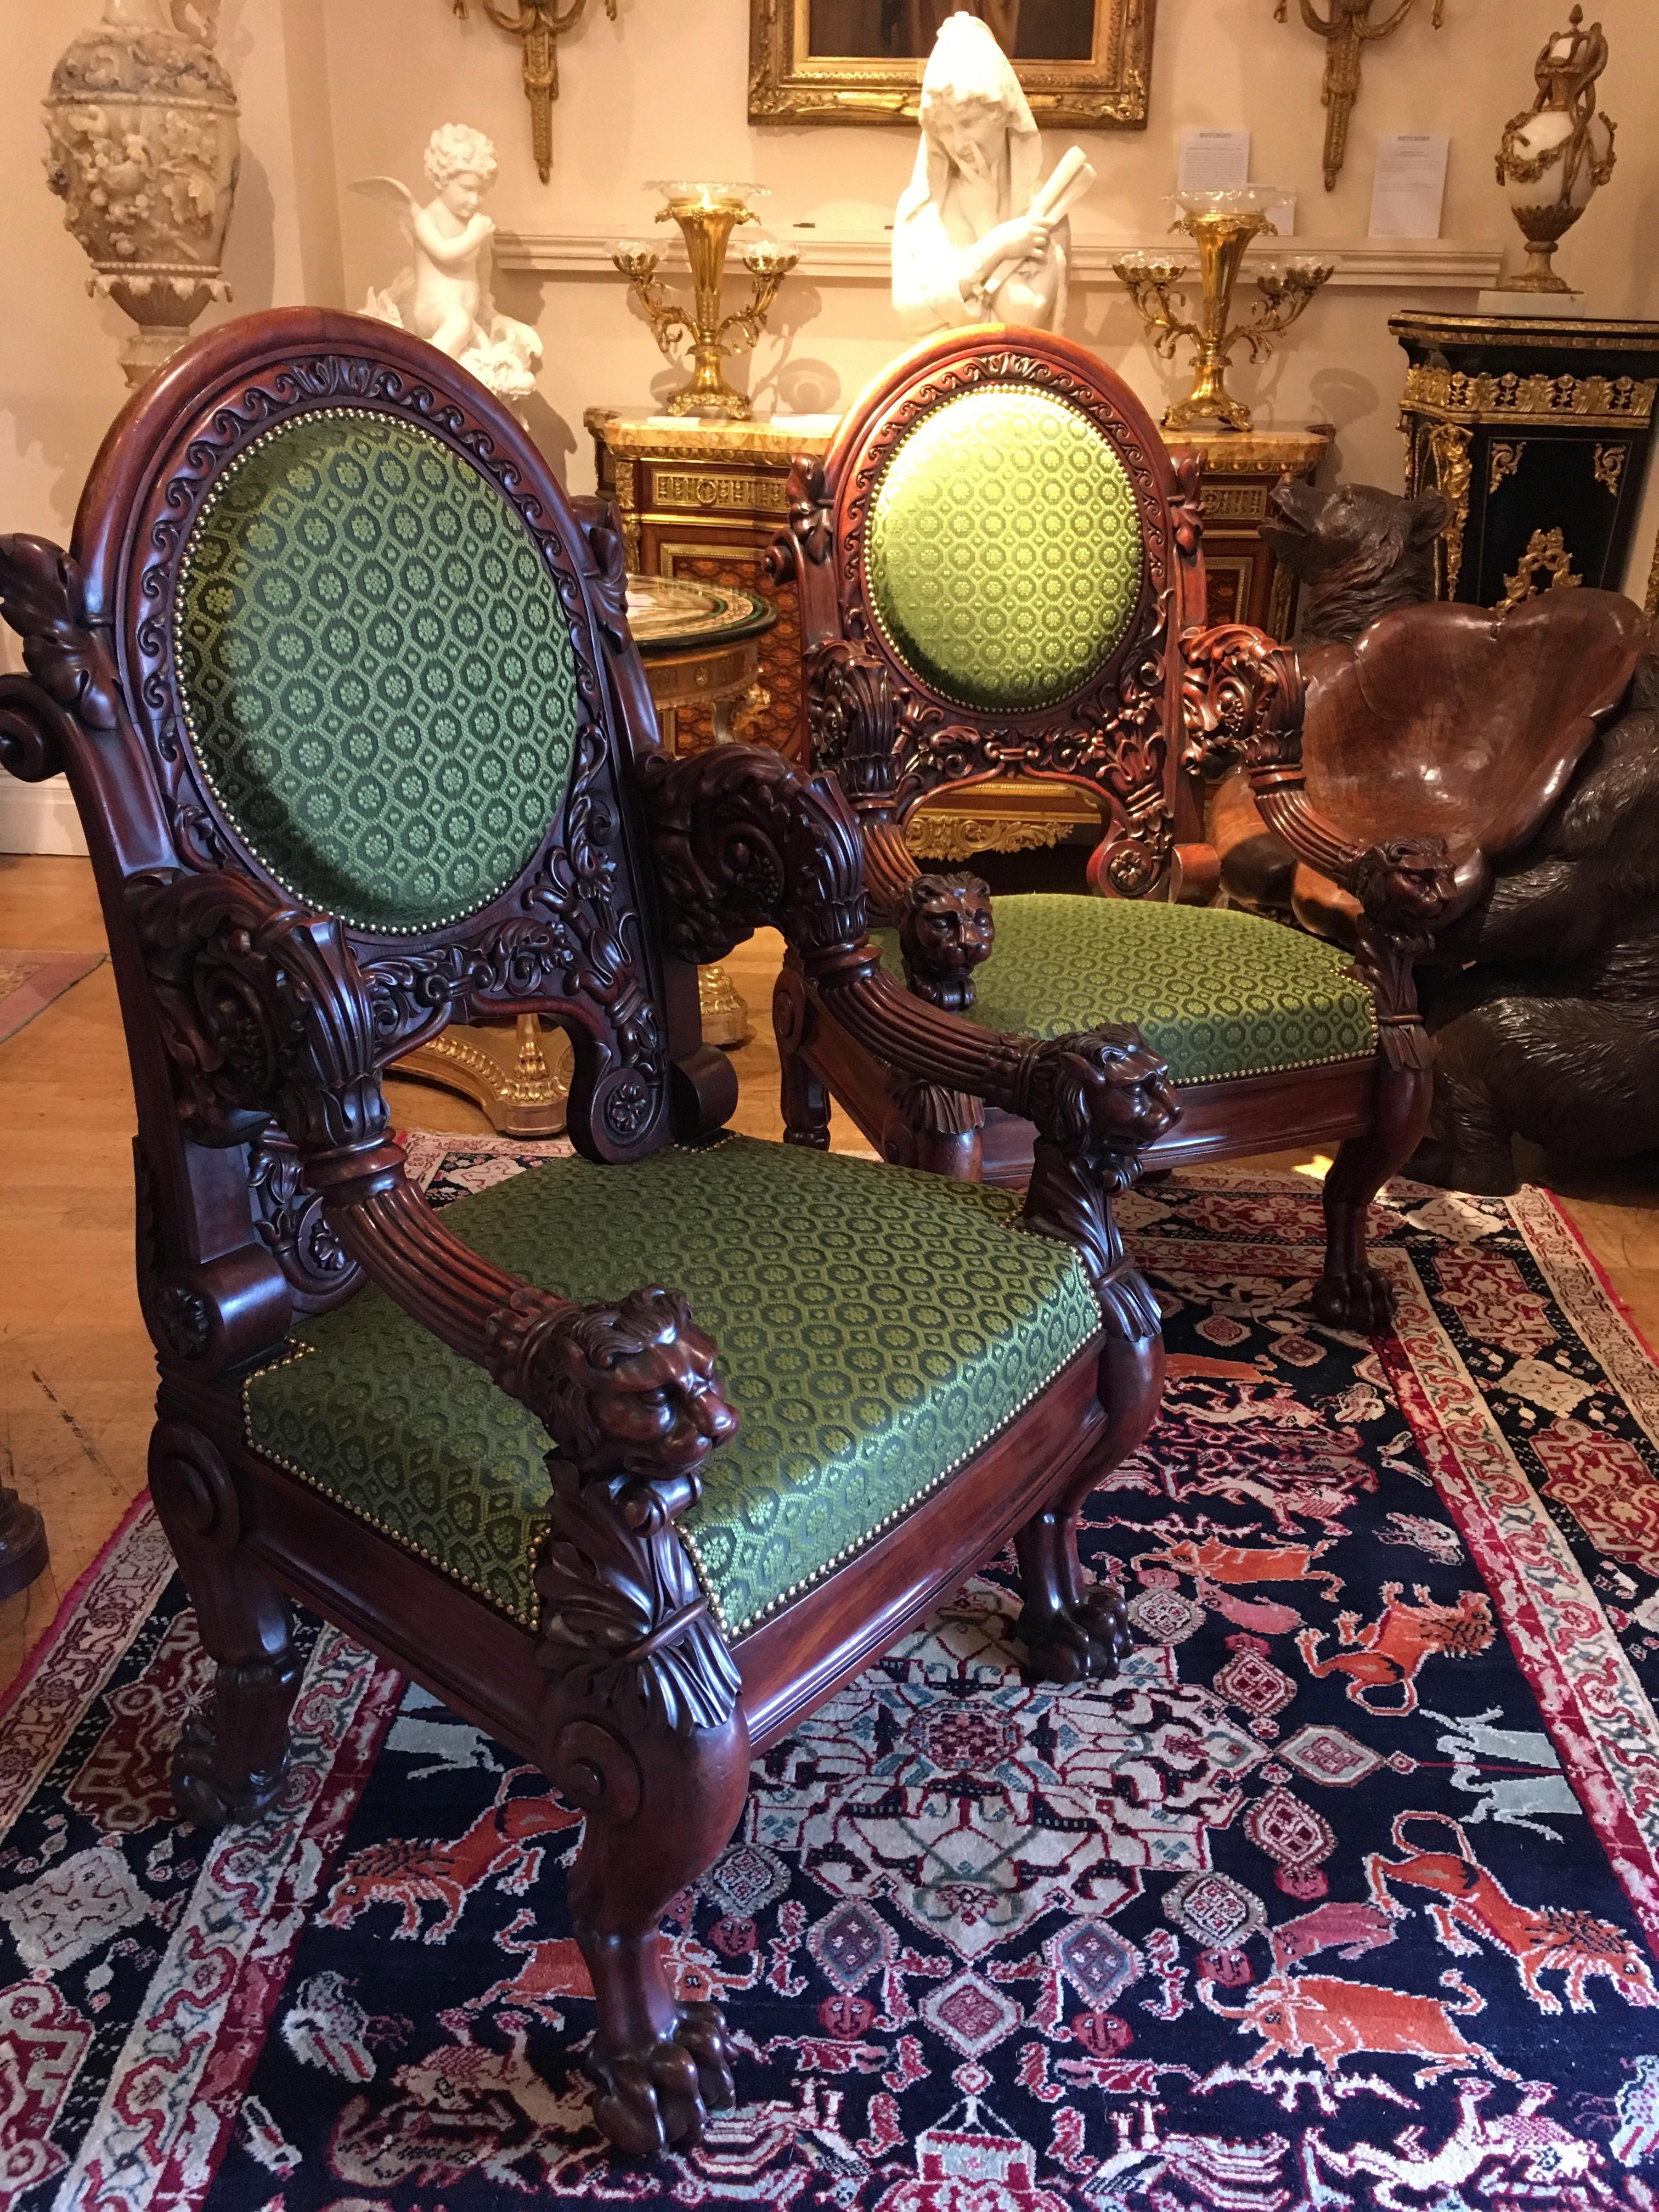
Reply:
x=1347, y=1893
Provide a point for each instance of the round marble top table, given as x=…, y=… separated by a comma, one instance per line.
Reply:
x=700, y=644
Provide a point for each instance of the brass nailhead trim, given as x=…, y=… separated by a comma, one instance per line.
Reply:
x=370, y=1520
x=699, y=1567
x=185, y=567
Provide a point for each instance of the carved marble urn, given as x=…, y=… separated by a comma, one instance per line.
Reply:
x=142, y=150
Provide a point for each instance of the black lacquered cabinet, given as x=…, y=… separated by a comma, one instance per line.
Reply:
x=1537, y=430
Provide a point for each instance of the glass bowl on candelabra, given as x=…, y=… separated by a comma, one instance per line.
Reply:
x=707, y=213
x=1221, y=223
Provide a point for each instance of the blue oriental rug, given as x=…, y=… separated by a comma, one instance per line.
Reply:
x=1345, y=1894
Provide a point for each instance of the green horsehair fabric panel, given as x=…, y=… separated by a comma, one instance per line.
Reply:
x=876, y=1326
x=1217, y=992
x=1004, y=553
x=378, y=672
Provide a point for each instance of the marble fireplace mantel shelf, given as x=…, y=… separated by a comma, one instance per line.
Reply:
x=1374, y=264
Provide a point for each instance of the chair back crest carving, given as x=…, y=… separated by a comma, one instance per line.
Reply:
x=999, y=528
x=457, y=795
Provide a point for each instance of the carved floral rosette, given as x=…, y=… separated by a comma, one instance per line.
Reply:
x=143, y=148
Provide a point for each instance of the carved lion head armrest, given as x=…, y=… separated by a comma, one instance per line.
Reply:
x=744, y=840
x=1097, y=1099
x=631, y=1398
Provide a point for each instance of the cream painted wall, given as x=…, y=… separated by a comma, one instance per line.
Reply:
x=60, y=385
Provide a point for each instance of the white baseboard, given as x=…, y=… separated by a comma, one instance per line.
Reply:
x=39, y=817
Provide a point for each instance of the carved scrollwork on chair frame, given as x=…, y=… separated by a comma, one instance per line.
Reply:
x=42, y=598
x=809, y=535
x=743, y=840
x=572, y=938
x=264, y=1013
x=288, y=1218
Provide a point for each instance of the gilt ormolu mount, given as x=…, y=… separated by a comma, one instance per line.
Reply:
x=539, y=25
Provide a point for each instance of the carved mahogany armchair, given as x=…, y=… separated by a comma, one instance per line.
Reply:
x=1000, y=574
x=344, y=691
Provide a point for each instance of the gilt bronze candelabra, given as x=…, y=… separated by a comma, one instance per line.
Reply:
x=1221, y=224
x=707, y=215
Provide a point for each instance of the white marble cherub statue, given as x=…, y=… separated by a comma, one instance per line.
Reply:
x=445, y=296
x=976, y=237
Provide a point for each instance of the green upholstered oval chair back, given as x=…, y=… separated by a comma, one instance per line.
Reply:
x=998, y=523
x=376, y=669
x=1004, y=553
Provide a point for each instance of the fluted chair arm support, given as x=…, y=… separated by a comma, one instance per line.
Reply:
x=266, y=1017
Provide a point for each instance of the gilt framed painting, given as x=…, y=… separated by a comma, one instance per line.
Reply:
x=1081, y=62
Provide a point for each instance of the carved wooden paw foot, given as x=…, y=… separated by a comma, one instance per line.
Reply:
x=1087, y=1641
x=209, y=1797
x=664, y=2093
x=1362, y=1302
x=232, y=1758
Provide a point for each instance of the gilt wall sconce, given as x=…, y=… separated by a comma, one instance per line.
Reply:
x=540, y=24
x=1348, y=31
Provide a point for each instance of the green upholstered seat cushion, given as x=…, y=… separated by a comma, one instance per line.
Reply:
x=1004, y=552
x=875, y=1326
x=1218, y=994
x=378, y=673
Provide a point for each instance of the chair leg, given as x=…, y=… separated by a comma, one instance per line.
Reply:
x=233, y=1756
x=1353, y=1294
x=805, y=1104
x=1074, y=1631
x=805, y=1097
x=661, y=1804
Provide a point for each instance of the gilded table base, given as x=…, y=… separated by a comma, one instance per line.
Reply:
x=519, y=1073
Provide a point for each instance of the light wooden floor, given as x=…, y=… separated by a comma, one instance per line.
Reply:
x=76, y=1376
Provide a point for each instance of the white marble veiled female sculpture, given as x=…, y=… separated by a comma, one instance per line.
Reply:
x=975, y=238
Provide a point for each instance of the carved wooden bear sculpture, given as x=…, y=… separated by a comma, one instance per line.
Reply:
x=1543, y=996
x=1553, y=1033
x=1357, y=551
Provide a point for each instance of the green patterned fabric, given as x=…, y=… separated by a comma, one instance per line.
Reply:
x=876, y=1327
x=1004, y=553
x=1217, y=992
x=378, y=673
